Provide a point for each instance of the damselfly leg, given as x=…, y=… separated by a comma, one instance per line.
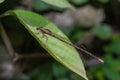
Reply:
x=42, y=32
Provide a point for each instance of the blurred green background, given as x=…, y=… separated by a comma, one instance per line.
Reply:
x=95, y=24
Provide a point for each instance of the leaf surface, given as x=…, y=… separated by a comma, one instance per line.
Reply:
x=62, y=52
x=2, y=1
x=59, y=3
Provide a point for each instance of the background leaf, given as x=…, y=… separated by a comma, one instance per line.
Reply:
x=40, y=6
x=59, y=70
x=59, y=3
x=79, y=1
x=2, y=1
x=111, y=70
x=42, y=71
x=62, y=52
x=103, y=31
x=114, y=45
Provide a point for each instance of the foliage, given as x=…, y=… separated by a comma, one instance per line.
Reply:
x=1, y=1
x=103, y=31
x=79, y=1
x=62, y=3
x=53, y=46
x=102, y=39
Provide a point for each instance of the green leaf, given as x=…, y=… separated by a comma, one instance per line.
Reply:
x=2, y=1
x=42, y=71
x=111, y=74
x=103, y=31
x=114, y=45
x=111, y=68
x=59, y=70
x=62, y=52
x=59, y=3
x=39, y=5
x=78, y=35
x=79, y=1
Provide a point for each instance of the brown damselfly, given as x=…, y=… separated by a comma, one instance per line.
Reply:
x=67, y=41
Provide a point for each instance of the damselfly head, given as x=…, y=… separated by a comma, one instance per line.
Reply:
x=38, y=28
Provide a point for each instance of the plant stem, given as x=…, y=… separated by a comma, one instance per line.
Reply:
x=6, y=41
x=32, y=55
